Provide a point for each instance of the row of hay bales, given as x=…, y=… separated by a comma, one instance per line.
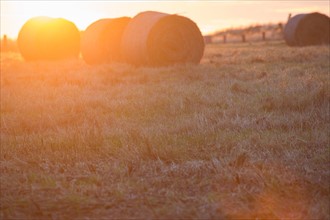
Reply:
x=150, y=38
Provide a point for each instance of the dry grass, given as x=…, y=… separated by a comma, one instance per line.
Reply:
x=243, y=135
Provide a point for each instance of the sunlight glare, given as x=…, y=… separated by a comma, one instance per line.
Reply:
x=77, y=13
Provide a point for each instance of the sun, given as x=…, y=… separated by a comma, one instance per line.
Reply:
x=66, y=9
x=18, y=12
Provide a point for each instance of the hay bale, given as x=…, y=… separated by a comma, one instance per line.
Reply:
x=307, y=29
x=45, y=38
x=158, y=39
x=100, y=42
x=28, y=37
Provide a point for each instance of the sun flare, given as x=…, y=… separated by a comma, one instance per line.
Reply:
x=20, y=12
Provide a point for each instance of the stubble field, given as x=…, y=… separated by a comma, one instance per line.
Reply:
x=245, y=134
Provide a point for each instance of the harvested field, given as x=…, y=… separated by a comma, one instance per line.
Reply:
x=245, y=134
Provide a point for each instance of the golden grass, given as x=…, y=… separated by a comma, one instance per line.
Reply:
x=243, y=135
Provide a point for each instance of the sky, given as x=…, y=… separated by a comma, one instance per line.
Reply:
x=210, y=16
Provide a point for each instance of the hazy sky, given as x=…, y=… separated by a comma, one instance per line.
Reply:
x=209, y=15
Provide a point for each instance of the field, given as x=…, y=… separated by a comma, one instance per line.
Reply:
x=245, y=134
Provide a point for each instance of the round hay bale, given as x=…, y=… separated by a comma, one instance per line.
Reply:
x=45, y=38
x=159, y=39
x=307, y=29
x=100, y=42
x=28, y=36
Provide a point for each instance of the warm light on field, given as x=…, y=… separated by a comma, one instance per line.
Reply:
x=243, y=135
x=241, y=131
